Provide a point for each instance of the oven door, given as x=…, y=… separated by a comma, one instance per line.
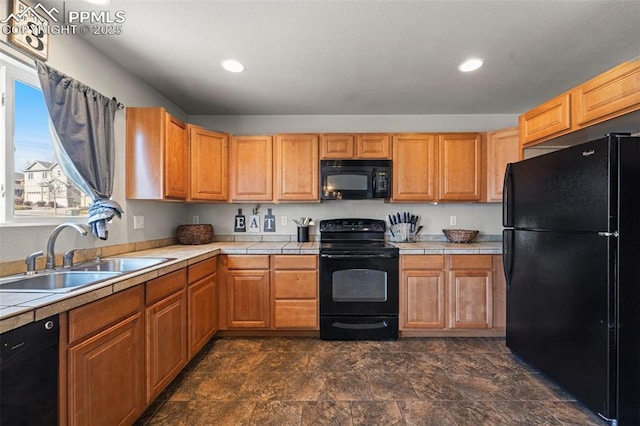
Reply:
x=359, y=284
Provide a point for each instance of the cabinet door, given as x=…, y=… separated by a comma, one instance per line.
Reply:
x=415, y=167
x=371, y=145
x=166, y=330
x=337, y=146
x=106, y=376
x=203, y=313
x=502, y=148
x=250, y=166
x=176, y=161
x=209, y=152
x=460, y=166
x=296, y=168
x=470, y=299
x=548, y=120
x=248, y=299
x=608, y=95
x=422, y=299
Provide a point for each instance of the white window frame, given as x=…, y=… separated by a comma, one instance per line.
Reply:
x=11, y=70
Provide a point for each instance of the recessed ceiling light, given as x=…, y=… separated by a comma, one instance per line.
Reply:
x=470, y=65
x=232, y=65
x=98, y=1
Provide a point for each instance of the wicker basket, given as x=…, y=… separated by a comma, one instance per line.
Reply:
x=460, y=235
x=195, y=234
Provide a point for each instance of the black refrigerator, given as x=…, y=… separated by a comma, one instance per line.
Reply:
x=571, y=248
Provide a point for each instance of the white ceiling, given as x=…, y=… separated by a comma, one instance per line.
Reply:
x=369, y=57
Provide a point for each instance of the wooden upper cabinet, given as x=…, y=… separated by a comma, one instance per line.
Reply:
x=415, y=165
x=296, y=167
x=460, y=166
x=176, y=171
x=610, y=94
x=373, y=145
x=251, y=168
x=337, y=146
x=550, y=119
x=156, y=155
x=347, y=146
x=209, y=152
x=502, y=148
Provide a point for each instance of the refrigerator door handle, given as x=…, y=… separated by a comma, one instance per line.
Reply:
x=507, y=186
x=609, y=234
x=507, y=255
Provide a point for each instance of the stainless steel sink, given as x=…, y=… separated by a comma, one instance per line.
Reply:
x=122, y=264
x=57, y=282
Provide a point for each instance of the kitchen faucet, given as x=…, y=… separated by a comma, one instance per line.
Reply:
x=51, y=255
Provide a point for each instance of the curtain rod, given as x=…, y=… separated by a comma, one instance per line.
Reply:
x=120, y=104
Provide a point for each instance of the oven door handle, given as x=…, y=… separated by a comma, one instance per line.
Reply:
x=373, y=326
x=359, y=256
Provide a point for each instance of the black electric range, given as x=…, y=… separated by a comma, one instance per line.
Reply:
x=359, y=281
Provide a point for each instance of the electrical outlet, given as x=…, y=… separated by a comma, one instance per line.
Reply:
x=284, y=220
x=195, y=220
x=138, y=222
x=452, y=220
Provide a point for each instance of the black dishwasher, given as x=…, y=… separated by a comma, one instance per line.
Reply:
x=29, y=374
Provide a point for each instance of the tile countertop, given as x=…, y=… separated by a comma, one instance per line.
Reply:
x=17, y=309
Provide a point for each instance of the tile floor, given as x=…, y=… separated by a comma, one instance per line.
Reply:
x=306, y=381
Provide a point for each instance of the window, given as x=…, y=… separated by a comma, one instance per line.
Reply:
x=35, y=185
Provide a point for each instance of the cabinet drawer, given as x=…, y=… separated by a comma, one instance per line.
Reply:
x=165, y=285
x=200, y=270
x=420, y=261
x=247, y=262
x=295, y=284
x=471, y=261
x=88, y=319
x=306, y=261
x=296, y=314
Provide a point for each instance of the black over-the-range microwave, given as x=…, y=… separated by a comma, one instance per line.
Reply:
x=355, y=179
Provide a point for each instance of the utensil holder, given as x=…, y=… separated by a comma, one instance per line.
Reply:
x=303, y=234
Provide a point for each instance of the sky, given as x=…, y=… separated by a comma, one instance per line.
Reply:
x=31, y=127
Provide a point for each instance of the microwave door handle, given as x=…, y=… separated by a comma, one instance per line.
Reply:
x=374, y=183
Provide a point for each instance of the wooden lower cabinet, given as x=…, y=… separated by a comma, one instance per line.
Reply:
x=166, y=330
x=422, y=292
x=247, y=291
x=202, y=304
x=262, y=292
x=471, y=297
x=451, y=294
x=106, y=361
x=295, y=292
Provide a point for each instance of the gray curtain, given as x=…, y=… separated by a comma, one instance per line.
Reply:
x=81, y=121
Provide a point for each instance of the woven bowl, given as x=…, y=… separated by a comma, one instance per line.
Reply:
x=460, y=235
x=195, y=234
